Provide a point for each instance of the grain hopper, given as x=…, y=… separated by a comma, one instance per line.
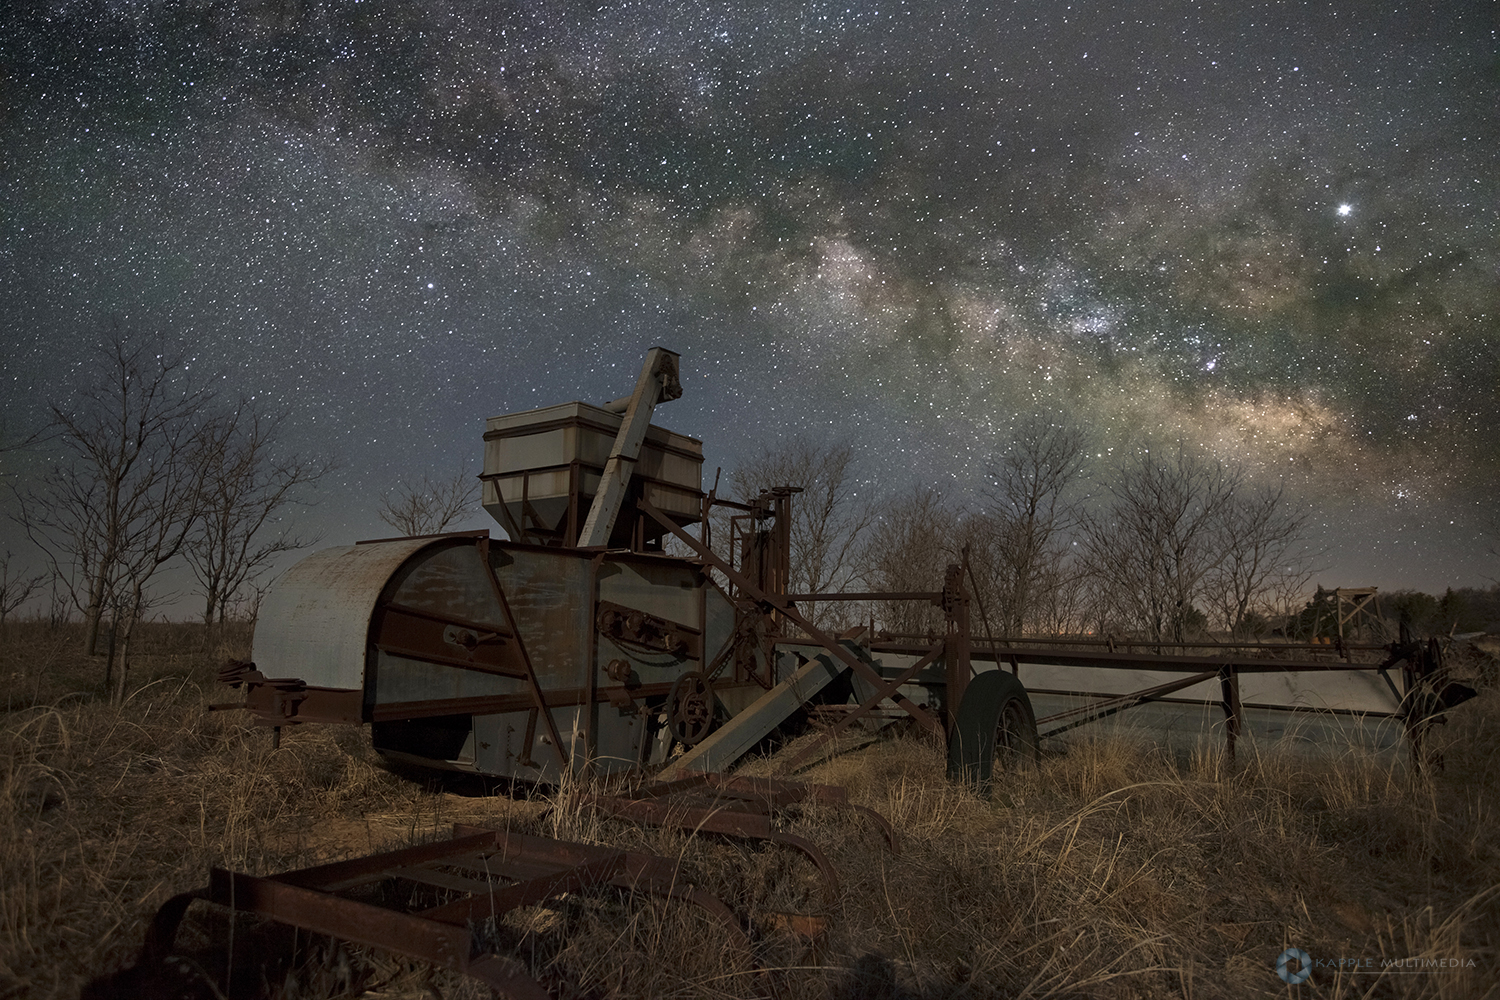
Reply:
x=575, y=643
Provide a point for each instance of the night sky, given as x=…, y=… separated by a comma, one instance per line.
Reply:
x=1267, y=229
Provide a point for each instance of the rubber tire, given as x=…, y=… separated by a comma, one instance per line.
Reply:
x=991, y=697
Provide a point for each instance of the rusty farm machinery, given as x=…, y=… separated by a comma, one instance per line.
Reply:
x=604, y=638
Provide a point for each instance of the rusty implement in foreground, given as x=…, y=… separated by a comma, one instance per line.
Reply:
x=744, y=807
x=441, y=902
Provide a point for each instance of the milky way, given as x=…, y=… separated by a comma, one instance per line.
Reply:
x=1267, y=230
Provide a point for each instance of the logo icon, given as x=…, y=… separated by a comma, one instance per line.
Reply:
x=1294, y=976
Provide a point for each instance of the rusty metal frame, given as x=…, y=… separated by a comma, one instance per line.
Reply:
x=487, y=872
x=539, y=698
x=865, y=708
x=1209, y=668
x=789, y=610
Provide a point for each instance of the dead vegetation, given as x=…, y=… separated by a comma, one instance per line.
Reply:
x=1117, y=870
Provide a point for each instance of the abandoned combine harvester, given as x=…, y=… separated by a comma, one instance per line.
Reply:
x=580, y=645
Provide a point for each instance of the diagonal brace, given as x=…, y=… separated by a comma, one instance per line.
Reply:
x=790, y=611
x=865, y=707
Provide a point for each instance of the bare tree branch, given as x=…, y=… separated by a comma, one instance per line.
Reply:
x=829, y=516
x=124, y=493
x=1020, y=542
x=1264, y=559
x=908, y=548
x=427, y=506
x=1152, y=547
x=246, y=488
x=16, y=589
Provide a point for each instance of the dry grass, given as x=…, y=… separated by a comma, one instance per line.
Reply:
x=1117, y=870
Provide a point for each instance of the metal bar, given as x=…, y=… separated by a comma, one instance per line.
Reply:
x=473, y=533
x=726, y=744
x=536, y=890
x=564, y=760
x=441, y=880
x=643, y=873
x=914, y=595
x=426, y=656
x=1112, y=643
x=1085, y=658
x=447, y=946
x=1234, y=716
x=591, y=690
x=656, y=383
x=497, y=703
x=444, y=618
x=1259, y=706
x=1103, y=709
x=356, y=871
x=786, y=608
x=863, y=710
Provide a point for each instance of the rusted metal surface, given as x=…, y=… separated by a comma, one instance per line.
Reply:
x=543, y=467
x=278, y=701
x=864, y=710
x=314, y=621
x=789, y=610
x=433, y=902
x=573, y=655
x=731, y=741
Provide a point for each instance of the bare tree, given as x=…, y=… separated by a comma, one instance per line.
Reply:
x=16, y=589
x=1021, y=541
x=1263, y=557
x=124, y=493
x=908, y=548
x=829, y=516
x=1157, y=540
x=426, y=506
x=246, y=489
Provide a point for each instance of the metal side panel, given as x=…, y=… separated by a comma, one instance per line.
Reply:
x=1339, y=690
x=315, y=620
x=548, y=592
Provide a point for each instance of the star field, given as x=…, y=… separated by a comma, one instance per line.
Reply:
x=1268, y=229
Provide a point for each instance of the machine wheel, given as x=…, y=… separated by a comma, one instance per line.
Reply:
x=995, y=721
x=690, y=708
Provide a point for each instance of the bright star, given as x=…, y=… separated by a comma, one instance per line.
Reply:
x=1345, y=208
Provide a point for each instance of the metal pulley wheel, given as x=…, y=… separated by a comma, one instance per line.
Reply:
x=690, y=708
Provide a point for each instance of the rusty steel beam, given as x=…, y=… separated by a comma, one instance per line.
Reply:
x=864, y=708
x=641, y=873
x=324, y=913
x=1112, y=643
x=914, y=595
x=516, y=869
x=1085, y=658
x=463, y=912
x=539, y=698
x=1106, y=707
